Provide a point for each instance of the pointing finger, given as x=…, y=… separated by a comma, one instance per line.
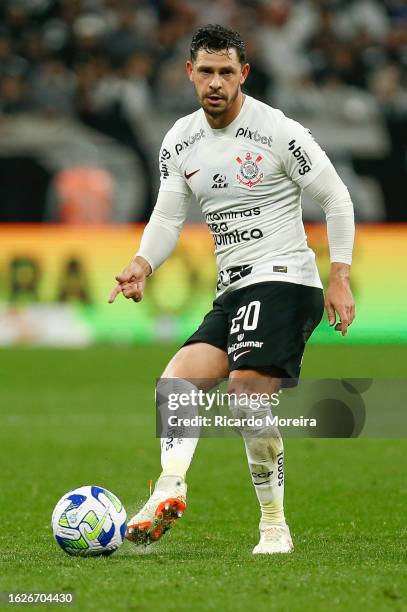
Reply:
x=114, y=293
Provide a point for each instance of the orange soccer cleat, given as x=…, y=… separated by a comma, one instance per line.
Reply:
x=166, y=505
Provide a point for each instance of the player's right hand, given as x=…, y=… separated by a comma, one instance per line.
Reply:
x=131, y=281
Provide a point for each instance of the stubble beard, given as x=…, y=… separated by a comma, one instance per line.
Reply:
x=218, y=112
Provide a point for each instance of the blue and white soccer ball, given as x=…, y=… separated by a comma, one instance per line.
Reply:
x=89, y=521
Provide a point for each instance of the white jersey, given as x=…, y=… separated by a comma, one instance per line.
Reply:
x=247, y=178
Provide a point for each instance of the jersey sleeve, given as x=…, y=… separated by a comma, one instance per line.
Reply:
x=170, y=175
x=302, y=158
x=161, y=233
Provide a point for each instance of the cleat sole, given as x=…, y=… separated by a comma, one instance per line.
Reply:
x=167, y=512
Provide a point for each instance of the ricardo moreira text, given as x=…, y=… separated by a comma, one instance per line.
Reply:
x=244, y=422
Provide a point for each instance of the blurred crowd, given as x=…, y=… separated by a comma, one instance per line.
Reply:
x=117, y=66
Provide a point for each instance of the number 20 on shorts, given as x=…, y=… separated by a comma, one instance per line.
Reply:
x=250, y=315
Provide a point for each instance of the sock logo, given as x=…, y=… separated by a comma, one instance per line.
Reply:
x=280, y=468
x=301, y=156
x=169, y=440
x=266, y=475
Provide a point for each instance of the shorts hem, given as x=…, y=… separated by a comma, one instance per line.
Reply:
x=203, y=341
x=289, y=380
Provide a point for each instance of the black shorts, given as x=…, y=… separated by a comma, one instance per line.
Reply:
x=263, y=326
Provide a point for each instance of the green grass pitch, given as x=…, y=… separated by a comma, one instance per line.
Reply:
x=86, y=417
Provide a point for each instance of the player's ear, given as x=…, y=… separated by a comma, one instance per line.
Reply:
x=189, y=68
x=245, y=73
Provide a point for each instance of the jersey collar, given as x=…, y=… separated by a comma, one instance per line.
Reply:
x=231, y=126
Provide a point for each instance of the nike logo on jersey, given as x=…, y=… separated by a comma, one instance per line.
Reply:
x=188, y=176
x=237, y=355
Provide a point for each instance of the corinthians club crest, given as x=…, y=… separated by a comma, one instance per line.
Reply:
x=250, y=173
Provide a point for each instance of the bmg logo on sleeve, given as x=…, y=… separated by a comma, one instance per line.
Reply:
x=301, y=156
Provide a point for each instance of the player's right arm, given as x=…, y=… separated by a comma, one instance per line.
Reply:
x=161, y=233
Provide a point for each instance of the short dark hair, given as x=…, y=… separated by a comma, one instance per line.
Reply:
x=214, y=38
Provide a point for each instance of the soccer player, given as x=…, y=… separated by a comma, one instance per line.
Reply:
x=247, y=164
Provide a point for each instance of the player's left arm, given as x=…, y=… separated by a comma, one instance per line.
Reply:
x=309, y=167
x=328, y=190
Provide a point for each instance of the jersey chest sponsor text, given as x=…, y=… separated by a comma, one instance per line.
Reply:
x=234, y=236
x=219, y=224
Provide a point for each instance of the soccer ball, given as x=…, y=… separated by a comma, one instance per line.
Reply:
x=89, y=521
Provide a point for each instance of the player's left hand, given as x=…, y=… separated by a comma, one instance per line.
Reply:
x=339, y=300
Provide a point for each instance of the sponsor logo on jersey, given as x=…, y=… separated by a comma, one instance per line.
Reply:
x=164, y=157
x=188, y=175
x=250, y=174
x=301, y=156
x=219, y=181
x=221, y=236
x=244, y=213
x=254, y=135
x=236, y=346
x=231, y=275
x=190, y=140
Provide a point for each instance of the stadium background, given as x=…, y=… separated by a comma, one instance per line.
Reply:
x=87, y=91
x=88, y=88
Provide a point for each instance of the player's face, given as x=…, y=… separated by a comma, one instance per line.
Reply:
x=217, y=78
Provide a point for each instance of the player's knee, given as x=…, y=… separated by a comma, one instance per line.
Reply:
x=250, y=396
x=253, y=382
x=171, y=387
x=176, y=401
x=202, y=363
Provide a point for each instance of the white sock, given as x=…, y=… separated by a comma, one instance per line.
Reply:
x=265, y=456
x=177, y=449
